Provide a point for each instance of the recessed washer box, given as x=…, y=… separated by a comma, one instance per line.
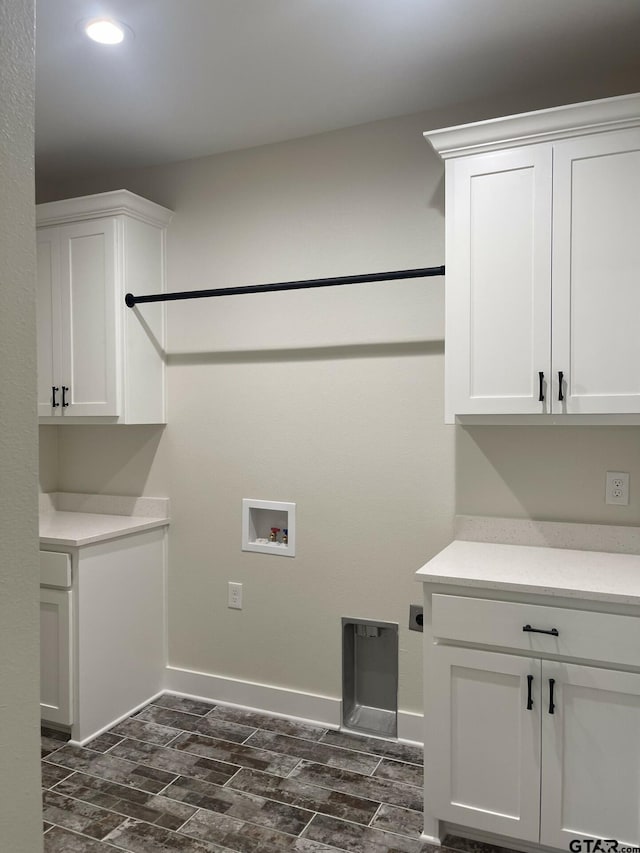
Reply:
x=259, y=517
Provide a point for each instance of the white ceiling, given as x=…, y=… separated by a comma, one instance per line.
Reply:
x=204, y=76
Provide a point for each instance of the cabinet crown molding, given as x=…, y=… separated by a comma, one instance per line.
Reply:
x=529, y=128
x=102, y=204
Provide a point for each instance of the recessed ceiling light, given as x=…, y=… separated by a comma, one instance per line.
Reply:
x=105, y=31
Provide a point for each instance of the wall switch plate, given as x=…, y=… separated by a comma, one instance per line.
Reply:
x=617, y=488
x=234, y=596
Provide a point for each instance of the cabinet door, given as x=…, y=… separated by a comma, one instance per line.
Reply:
x=483, y=741
x=498, y=326
x=590, y=755
x=48, y=315
x=596, y=284
x=89, y=293
x=55, y=656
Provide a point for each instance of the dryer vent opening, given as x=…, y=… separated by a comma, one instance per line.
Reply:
x=370, y=677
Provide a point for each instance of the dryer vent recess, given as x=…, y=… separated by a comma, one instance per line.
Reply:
x=415, y=617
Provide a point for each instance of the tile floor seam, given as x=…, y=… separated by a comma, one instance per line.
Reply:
x=161, y=792
x=111, y=811
x=375, y=815
x=183, y=751
x=105, y=751
x=197, y=809
x=168, y=796
x=329, y=746
x=210, y=737
x=377, y=767
x=243, y=742
x=293, y=769
x=164, y=708
x=174, y=738
x=184, y=822
x=248, y=820
x=51, y=787
x=45, y=757
x=381, y=802
x=95, y=840
x=227, y=783
x=394, y=832
x=269, y=717
x=378, y=755
x=257, y=749
x=111, y=781
x=383, y=833
x=274, y=798
x=308, y=824
x=244, y=822
x=189, y=731
x=148, y=722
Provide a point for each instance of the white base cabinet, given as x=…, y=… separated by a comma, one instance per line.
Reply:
x=590, y=755
x=484, y=746
x=99, y=361
x=104, y=645
x=521, y=742
x=56, y=639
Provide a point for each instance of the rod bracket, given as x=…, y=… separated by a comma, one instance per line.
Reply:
x=130, y=300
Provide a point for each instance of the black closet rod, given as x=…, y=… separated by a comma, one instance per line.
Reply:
x=423, y=272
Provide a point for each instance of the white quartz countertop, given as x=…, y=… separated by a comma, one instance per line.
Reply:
x=85, y=528
x=592, y=575
x=75, y=520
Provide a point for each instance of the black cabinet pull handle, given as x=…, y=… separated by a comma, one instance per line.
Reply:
x=65, y=404
x=529, y=696
x=560, y=380
x=54, y=389
x=554, y=631
x=541, y=387
x=552, y=707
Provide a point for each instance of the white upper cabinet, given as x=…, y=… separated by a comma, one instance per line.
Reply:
x=596, y=269
x=498, y=285
x=98, y=359
x=543, y=263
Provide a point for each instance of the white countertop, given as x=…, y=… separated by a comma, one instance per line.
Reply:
x=591, y=575
x=70, y=519
x=84, y=528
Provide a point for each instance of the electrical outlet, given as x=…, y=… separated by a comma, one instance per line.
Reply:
x=234, y=596
x=617, y=488
x=415, y=617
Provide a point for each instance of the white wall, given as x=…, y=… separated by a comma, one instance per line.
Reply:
x=20, y=811
x=331, y=399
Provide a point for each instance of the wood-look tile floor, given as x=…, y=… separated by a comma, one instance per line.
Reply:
x=194, y=777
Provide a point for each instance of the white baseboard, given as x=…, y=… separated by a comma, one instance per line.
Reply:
x=311, y=708
x=119, y=719
x=496, y=841
x=293, y=704
x=411, y=727
x=323, y=710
